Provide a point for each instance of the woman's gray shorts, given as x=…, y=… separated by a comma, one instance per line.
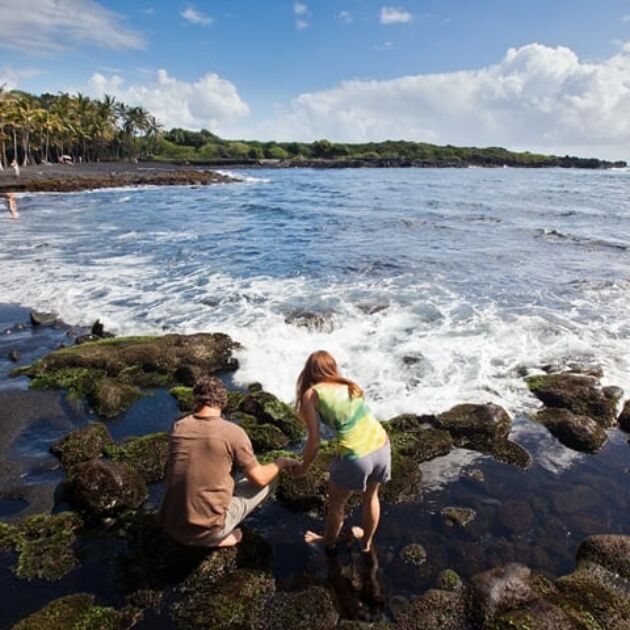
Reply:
x=354, y=474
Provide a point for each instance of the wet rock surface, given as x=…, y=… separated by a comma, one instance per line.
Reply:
x=147, y=455
x=578, y=393
x=110, y=372
x=106, y=488
x=578, y=432
x=457, y=516
x=81, y=445
x=624, y=417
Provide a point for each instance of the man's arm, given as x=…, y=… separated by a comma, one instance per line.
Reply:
x=263, y=474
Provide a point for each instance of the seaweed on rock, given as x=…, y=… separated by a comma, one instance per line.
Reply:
x=147, y=455
x=82, y=444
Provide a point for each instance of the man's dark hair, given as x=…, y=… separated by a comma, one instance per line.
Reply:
x=210, y=391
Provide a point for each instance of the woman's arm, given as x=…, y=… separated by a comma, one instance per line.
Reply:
x=309, y=415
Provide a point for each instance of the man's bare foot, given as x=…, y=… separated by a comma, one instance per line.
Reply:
x=232, y=540
x=312, y=538
x=358, y=533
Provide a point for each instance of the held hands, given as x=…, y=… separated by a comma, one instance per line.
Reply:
x=293, y=467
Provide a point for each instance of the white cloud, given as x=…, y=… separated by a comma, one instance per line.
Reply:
x=536, y=97
x=43, y=26
x=301, y=12
x=192, y=15
x=207, y=103
x=10, y=77
x=346, y=17
x=394, y=15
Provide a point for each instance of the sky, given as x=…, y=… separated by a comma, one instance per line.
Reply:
x=542, y=75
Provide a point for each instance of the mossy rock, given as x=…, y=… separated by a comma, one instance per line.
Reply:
x=266, y=409
x=109, y=398
x=44, y=545
x=577, y=393
x=505, y=451
x=82, y=444
x=435, y=610
x=312, y=608
x=611, y=551
x=264, y=437
x=413, y=554
x=457, y=516
x=147, y=455
x=109, y=372
x=449, y=580
x=308, y=493
x=472, y=420
x=78, y=612
x=410, y=436
x=236, y=601
x=580, y=433
x=406, y=481
x=106, y=488
x=539, y=615
x=184, y=397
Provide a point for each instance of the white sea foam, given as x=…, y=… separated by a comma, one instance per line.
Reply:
x=248, y=179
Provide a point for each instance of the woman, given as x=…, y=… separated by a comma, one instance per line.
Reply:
x=363, y=460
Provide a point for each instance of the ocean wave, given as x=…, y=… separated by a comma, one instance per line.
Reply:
x=247, y=179
x=553, y=235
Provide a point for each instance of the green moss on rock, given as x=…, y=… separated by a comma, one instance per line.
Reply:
x=457, y=516
x=414, y=554
x=449, y=580
x=78, y=381
x=78, y=612
x=82, y=444
x=236, y=601
x=312, y=608
x=44, y=545
x=147, y=455
x=109, y=398
x=184, y=397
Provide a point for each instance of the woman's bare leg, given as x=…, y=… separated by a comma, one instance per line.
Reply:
x=335, y=515
x=371, y=513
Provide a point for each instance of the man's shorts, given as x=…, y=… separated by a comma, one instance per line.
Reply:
x=246, y=498
x=355, y=474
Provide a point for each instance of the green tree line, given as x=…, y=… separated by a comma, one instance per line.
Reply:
x=38, y=129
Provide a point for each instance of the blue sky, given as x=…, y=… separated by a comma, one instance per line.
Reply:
x=349, y=70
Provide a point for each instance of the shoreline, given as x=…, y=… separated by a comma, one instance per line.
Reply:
x=98, y=175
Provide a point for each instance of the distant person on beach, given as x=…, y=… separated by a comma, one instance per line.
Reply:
x=11, y=205
x=204, y=503
x=363, y=457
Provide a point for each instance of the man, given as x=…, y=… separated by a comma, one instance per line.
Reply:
x=203, y=503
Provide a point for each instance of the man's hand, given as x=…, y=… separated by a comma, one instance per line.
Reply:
x=298, y=470
x=286, y=463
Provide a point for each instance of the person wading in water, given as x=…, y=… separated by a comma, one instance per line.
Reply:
x=363, y=458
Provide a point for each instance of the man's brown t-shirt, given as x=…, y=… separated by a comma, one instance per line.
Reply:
x=199, y=483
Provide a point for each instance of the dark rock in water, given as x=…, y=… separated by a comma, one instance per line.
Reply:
x=577, y=432
x=504, y=451
x=81, y=445
x=624, y=417
x=44, y=545
x=500, y=590
x=14, y=355
x=318, y=322
x=235, y=601
x=578, y=394
x=538, y=615
x=410, y=436
x=38, y=318
x=264, y=437
x=435, y=610
x=457, y=516
x=147, y=455
x=609, y=551
x=414, y=554
x=106, y=488
x=110, y=398
x=311, y=609
x=266, y=409
x=612, y=392
x=449, y=580
x=77, y=611
x=371, y=308
x=131, y=362
x=470, y=420
x=98, y=330
x=516, y=516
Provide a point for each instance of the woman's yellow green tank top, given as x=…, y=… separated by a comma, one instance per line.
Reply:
x=358, y=432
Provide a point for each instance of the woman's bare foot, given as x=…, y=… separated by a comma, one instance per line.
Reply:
x=312, y=538
x=232, y=540
x=358, y=533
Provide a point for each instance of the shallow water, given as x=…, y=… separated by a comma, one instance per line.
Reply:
x=435, y=287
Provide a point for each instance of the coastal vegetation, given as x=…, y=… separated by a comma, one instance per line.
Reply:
x=58, y=127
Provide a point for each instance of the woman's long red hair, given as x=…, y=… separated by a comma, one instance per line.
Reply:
x=321, y=367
